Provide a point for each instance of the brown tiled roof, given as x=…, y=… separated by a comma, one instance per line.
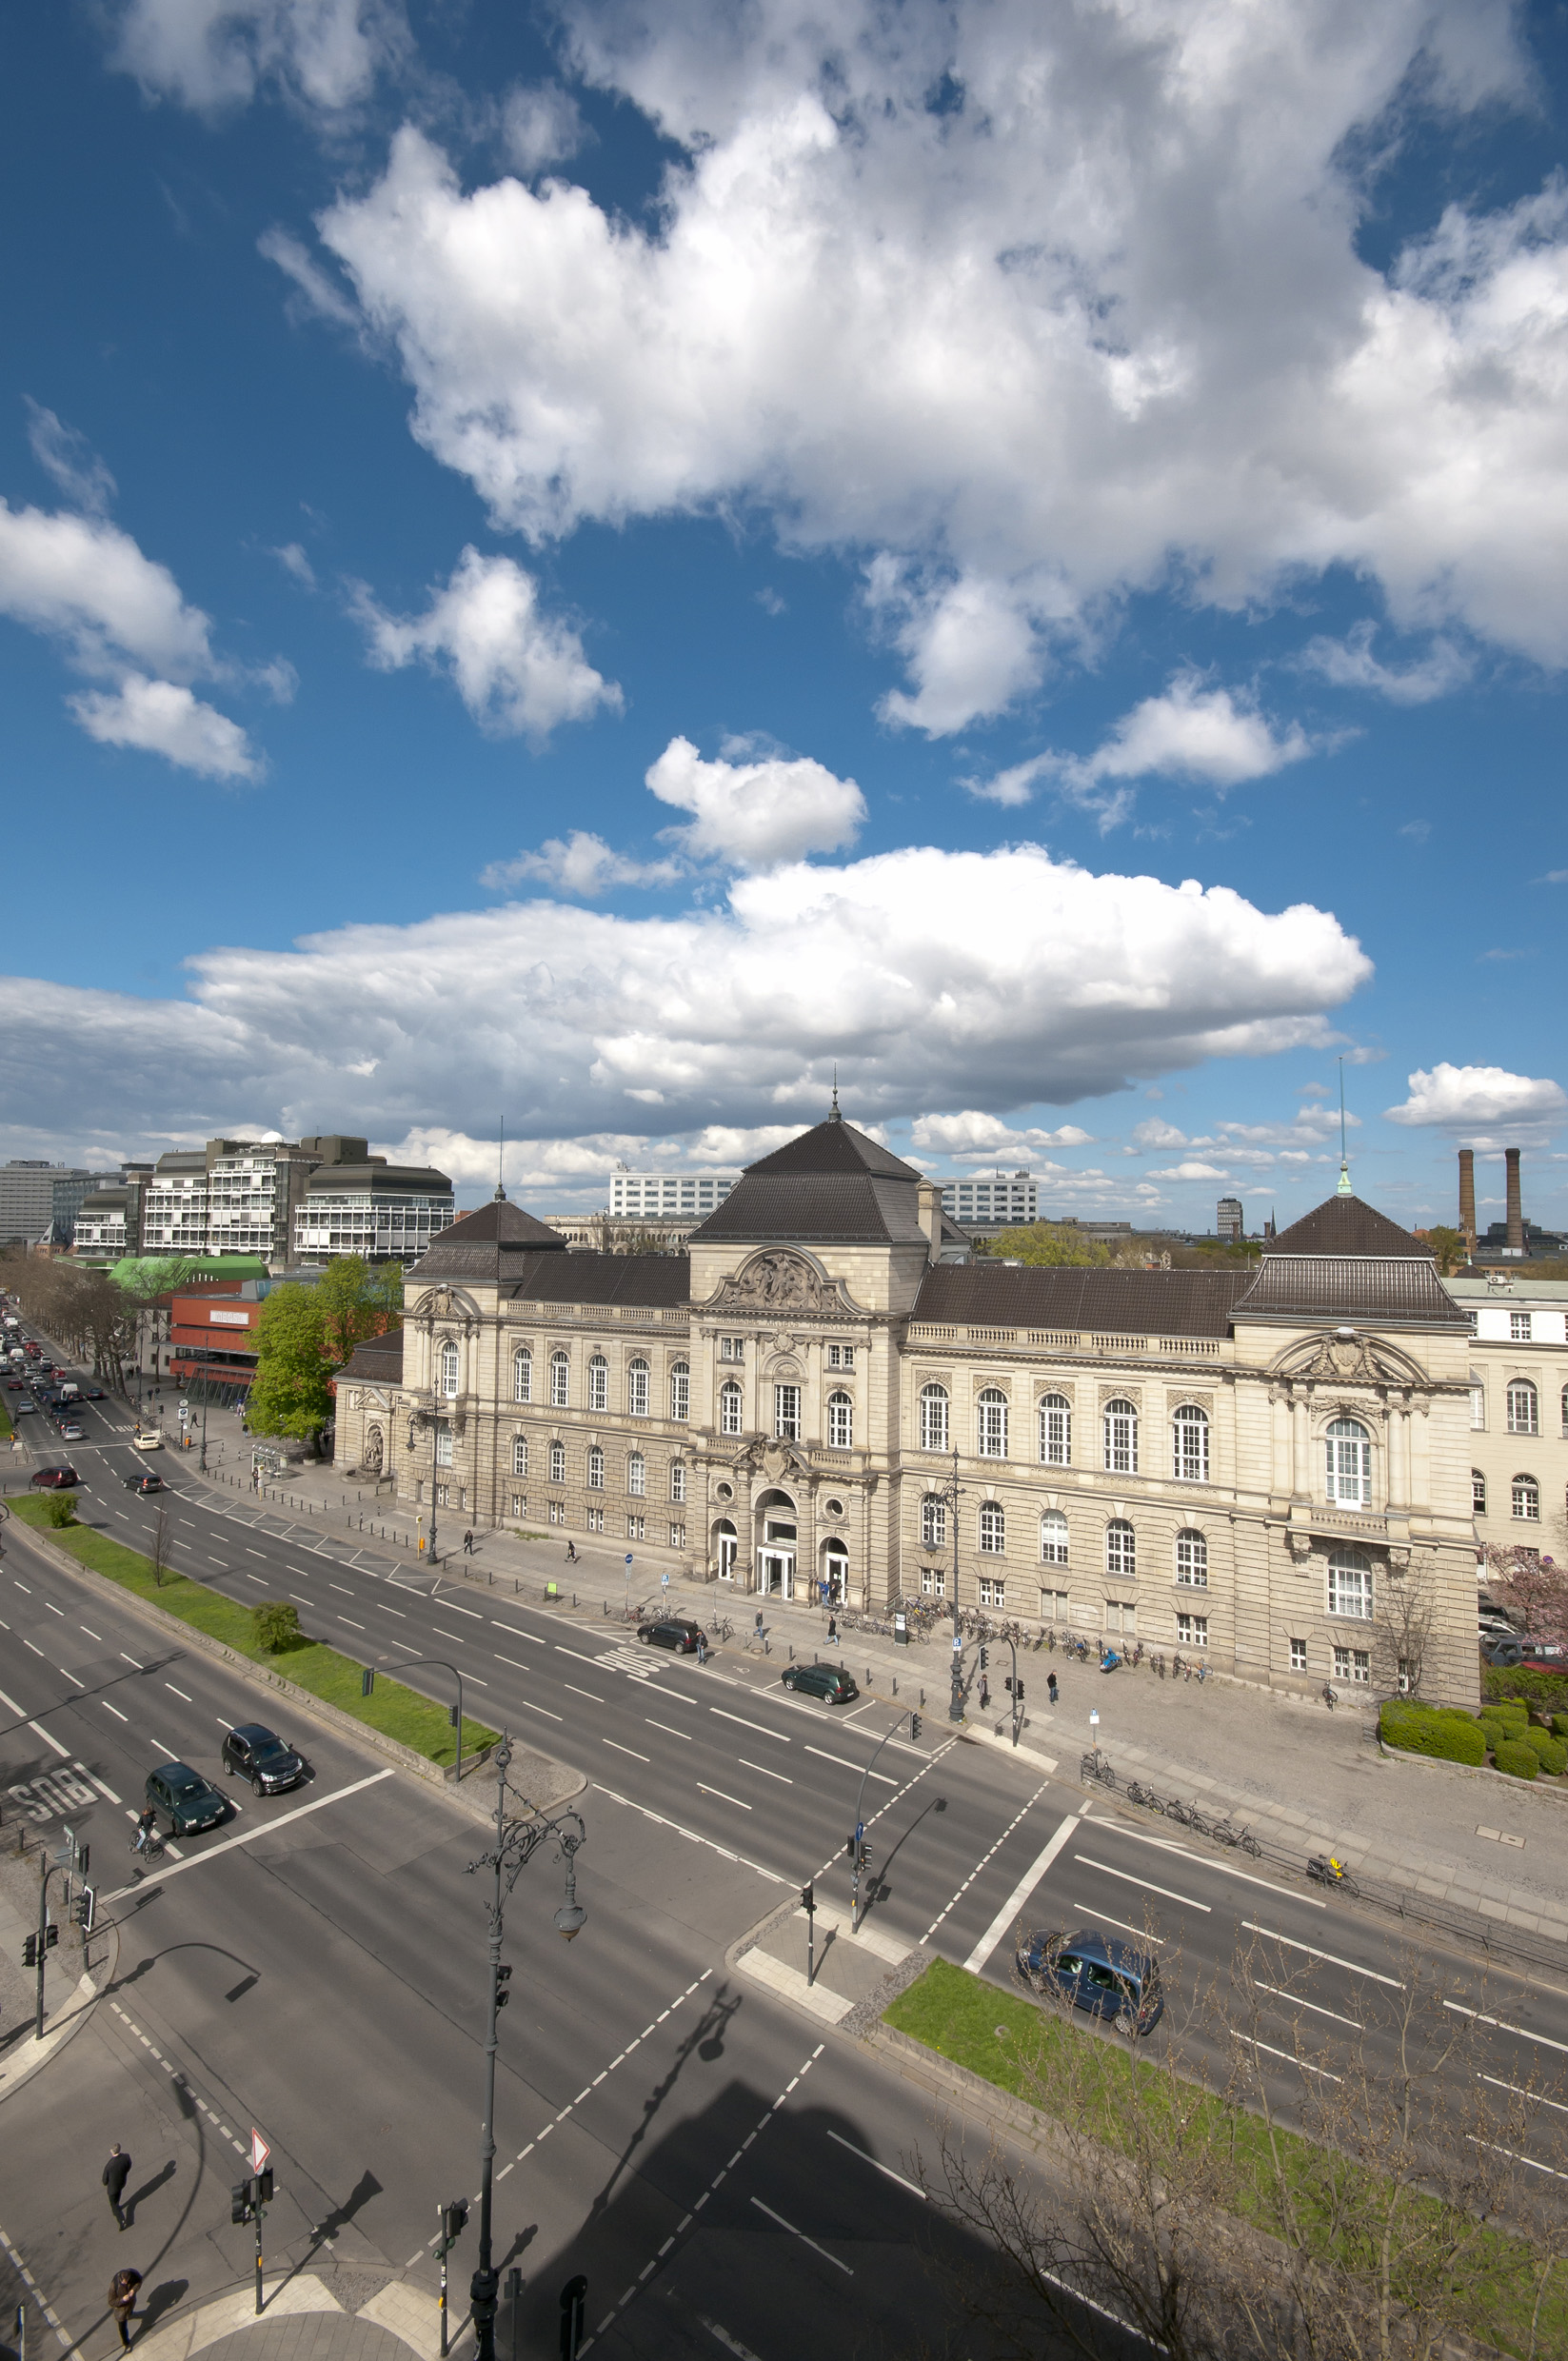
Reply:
x=1141, y=1304
x=482, y=1245
x=377, y=1361
x=654, y=1282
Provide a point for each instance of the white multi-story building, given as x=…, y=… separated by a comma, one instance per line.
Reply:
x=291, y=1203
x=1518, y=1407
x=998, y=1197
x=644, y=1195
x=388, y=1213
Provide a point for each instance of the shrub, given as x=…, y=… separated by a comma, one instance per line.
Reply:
x=1546, y=1691
x=1438, y=1730
x=1549, y=1752
x=60, y=1508
x=1510, y=1720
x=277, y=1626
x=1560, y=1725
x=1517, y=1758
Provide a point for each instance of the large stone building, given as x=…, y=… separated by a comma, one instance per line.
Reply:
x=1518, y=1407
x=1242, y=1462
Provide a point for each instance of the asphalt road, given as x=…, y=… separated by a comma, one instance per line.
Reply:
x=710, y=2157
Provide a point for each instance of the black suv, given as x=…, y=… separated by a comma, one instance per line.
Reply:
x=672, y=1631
x=189, y=1802
x=254, y=1753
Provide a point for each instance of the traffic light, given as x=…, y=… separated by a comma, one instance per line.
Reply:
x=83, y=1908
x=1018, y=1690
x=30, y=1943
x=914, y=1726
x=452, y=2218
x=261, y=2186
x=239, y=2203
x=52, y=1935
x=984, y=1656
x=451, y=1715
x=849, y=1849
x=574, y=2299
x=808, y=1899
x=366, y=1680
x=503, y=1978
x=84, y=1860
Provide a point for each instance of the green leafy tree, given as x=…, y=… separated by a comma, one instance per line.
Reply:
x=303, y=1336
x=1050, y=1244
x=60, y=1508
x=276, y=1626
x=1449, y=1247
x=357, y=1300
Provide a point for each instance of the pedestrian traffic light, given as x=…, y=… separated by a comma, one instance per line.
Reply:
x=239, y=2203
x=849, y=1849
x=258, y=2190
x=366, y=1680
x=1018, y=1690
x=52, y=1935
x=503, y=1978
x=30, y=1943
x=984, y=1658
x=574, y=2299
x=83, y=1908
x=452, y=2218
x=914, y=1725
x=451, y=1715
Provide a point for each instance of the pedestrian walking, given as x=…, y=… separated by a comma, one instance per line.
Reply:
x=116, y=2173
x=702, y=1648
x=469, y=1543
x=833, y=1631
x=123, y=2291
x=984, y=1693
x=571, y=1553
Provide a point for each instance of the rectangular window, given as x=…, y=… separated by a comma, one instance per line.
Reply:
x=558, y=1512
x=596, y=1520
x=933, y=1582
x=1353, y=1664
x=1192, y=1631
x=1519, y=1327
x=443, y=1446
x=787, y=1412
x=841, y=1357
x=1053, y=1606
x=677, y=1480
x=637, y=1475
x=1350, y=1592
x=636, y=1528
x=993, y=1591
x=1121, y=1616
x=1298, y=1655
x=1478, y=1408
x=732, y=1348
x=520, y=1505
x=440, y=1496
x=678, y=1537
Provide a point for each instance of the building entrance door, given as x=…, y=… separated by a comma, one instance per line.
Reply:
x=776, y=1573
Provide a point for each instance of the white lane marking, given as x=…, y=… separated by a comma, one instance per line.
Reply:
x=538, y=1709
x=70, y=1677
x=219, y=1561
x=777, y=1735
x=159, y=1747
x=97, y=1782
x=722, y=1797
x=716, y=2329
x=52, y=1608
x=844, y=1764
x=1148, y=1885
x=1332, y=1956
x=114, y=1710
x=444, y=1633
x=128, y=1659
x=250, y=1552
x=97, y=1635
x=511, y=1660
x=661, y=1725
x=1092, y=1909
x=386, y=1610
x=301, y=1597
x=263, y=1828
x=1295, y=2001
x=765, y=1772
x=578, y=1654
x=349, y=1620
x=626, y=1750
x=1515, y=2157
x=1520, y=2092
x=179, y=1692
x=38, y=1651
x=532, y=1637
x=1501, y=2023
x=585, y=1692
x=1163, y=1844
x=453, y=1608
x=341, y=1587
x=692, y=1836
x=1291, y=2059
x=804, y=2239
x=886, y=2169
x=1019, y=1895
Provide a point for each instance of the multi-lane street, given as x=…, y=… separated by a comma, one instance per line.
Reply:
x=699, y=2148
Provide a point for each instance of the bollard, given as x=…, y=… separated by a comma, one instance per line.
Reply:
x=895, y=1684
x=868, y=1675
x=923, y=1700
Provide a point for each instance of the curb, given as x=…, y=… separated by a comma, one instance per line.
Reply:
x=35, y=2054
x=291, y=2299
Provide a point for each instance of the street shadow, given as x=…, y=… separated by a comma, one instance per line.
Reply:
x=159, y=2304
x=359, y=2195
x=154, y=1958
x=147, y=2189
x=938, y=1804
x=708, y=2033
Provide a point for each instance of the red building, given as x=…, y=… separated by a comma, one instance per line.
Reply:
x=212, y=1339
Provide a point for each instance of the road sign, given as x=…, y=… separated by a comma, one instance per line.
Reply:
x=259, y=2150
x=628, y=1557
x=664, y=1580
x=1094, y=1716
x=860, y=1830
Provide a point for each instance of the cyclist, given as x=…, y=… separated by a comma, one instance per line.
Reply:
x=147, y=1829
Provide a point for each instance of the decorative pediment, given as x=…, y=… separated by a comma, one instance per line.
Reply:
x=1349, y=1361
x=778, y=1282
x=445, y=1303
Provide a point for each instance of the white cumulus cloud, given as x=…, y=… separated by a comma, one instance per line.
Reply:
x=579, y=863
x=164, y=717
x=1350, y=664
x=1189, y=1172
x=214, y=53
x=1485, y=1105
x=975, y=1136
x=1212, y=736
x=759, y=812
x=516, y=668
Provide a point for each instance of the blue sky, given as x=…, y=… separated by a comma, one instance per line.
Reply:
x=581, y=568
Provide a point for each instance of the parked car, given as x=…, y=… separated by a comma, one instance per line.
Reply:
x=187, y=1803
x=145, y=1481
x=54, y=1478
x=1510, y=1653
x=252, y=1752
x=1097, y=1973
x=672, y=1631
x=826, y=1682
x=149, y=1440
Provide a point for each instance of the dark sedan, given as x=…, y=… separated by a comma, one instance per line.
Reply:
x=252, y=1752
x=1097, y=1973
x=54, y=1478
x=187, y=1803
x=828, y=1681
x=145, y=1482
x=672, y=1631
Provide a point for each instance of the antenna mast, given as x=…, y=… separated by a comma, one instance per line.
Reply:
x=1344, y=1188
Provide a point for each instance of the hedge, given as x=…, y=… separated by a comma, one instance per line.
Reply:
x=1549, y=1752
x=1546, y=1691
x=1440, y=1730
x=1509, y=1722
x=1517, y=1758
x=1560, y=1725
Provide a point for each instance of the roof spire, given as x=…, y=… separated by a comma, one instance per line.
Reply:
x=500, y=1196
x=1343, y=1189
x=833, y=1115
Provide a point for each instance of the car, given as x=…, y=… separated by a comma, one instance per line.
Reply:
x=93, y=1393
x=71, y=1431
x=46, y=1369
x=828, y=1681
x=149, y=1440
x=25, y=1409
x=1510, y=1651
x=1097, y=1973
x=252, y=1752
x=672, y=1631
x=54, y=1478
x=13, y=1386
x=187, y=1803
x=145, y=1481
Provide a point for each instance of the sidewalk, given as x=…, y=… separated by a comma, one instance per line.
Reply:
x=68, y=1990
x=1304, y=1780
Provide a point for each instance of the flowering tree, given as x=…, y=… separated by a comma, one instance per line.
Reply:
x=1532, y=1591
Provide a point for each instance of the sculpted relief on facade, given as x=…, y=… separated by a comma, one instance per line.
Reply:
x=777, y=1282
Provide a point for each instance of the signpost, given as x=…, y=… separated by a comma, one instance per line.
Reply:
x=626, y=1617
x=808, y=1903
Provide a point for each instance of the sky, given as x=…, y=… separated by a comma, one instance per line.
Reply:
x=571, y=571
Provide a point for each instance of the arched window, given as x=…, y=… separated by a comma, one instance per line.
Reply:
x=1526, y=1494
x=449, y=1370
x=933, y=1417
x=560, y=1380
x=598, y=1383
x=1524, y=1409
x=1053, y=1539
x=637, y=1475
x=729, y=1542
x=596, y=1469
x=520, y=1455
x=1192, y=1559
x=558, y=1463
x=1350, y=1586
x=522, y=1375
x=1349, y=1464
x=1056, y=1430
x=933, y=1523
x=679, y=1390
x=840, y=1422
x=729, y=1408
x=637, y=1389
x=991, y=1425
x=1477, y=1493
x=1120, y=1439
x=1121, y=1548
x=993, y=1529
x=1190, y=1445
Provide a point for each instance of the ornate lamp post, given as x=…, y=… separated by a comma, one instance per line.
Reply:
x=516, y=1842
x=950, y=1494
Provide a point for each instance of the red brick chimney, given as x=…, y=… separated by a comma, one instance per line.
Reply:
x=1468, y=1195
x=1516, y=1208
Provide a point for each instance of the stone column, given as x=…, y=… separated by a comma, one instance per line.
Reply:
x=1301, y=1456
x=1399, y=1459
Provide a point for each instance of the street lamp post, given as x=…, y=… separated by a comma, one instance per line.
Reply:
x=516, y=1842
x=368, y=1682
x=952, y=1493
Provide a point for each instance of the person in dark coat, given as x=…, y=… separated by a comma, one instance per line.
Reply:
x=116, y=2173
x=123, y=2291
x=1050, y=1686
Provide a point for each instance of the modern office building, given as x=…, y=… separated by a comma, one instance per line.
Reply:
x=356, y=1203
x=290, y=1201
x=1229, y=1221
x=39, y=1201
x=649, y=1195
x=1006, y=1200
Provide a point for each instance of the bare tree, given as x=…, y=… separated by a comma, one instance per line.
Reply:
x=1405, y=1610
x=158, y=1554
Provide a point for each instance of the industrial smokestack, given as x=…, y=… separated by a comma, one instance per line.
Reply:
x=1467, y=1195
x=1516, y=1206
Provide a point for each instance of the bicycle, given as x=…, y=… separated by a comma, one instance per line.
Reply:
x=1229, y=1834
x=1324, y=1869
x=1138, y=1794
x=148, y=1847
x=1094, y=1767
x=1329, y=1695
x=722, y=1627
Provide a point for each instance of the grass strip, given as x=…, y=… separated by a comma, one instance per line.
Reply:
x=1013, y=2043
x=398, y=1711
